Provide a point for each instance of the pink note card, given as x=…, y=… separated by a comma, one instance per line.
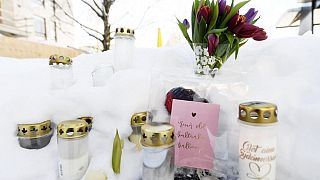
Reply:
x=195, y=125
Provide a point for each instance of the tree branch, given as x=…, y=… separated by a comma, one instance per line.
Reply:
x=71, y=17
x=97, y=6
x=92, y=35
x=98, y=14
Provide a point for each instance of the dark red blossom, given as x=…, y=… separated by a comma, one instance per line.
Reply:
x=213, y=42
x=205, y=13
x=243, y=29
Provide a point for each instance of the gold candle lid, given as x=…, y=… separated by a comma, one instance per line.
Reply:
x=157, y=135
x=59, y=59
x=139, y=119
x=34, y=130
x=87, y=119
x=255, y=112
x=122, y=31
x=72, y=129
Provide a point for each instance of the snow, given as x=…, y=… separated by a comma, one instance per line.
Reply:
x=282, y=71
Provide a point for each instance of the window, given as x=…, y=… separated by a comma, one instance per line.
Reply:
x=40, y=26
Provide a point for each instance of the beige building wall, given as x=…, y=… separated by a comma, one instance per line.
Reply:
x=37, y=21
x=12, y=47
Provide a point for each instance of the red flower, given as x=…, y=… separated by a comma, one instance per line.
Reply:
x=205, y=13
x=242, y=29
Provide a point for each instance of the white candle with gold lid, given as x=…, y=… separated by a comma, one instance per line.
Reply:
x=257, y=141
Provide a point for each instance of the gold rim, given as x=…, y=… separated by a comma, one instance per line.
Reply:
x=258, y=112
x=34, y=130
x=139, y=119
x=157, y=135
x=72, y=129
x=87, y=119
x=122, y=31
x=59, y=59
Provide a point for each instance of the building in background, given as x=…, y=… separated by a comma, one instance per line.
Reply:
x=303, y=18
x=42, y=22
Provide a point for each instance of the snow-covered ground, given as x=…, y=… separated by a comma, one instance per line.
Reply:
x=284, y=71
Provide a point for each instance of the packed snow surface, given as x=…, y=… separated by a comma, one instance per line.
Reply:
x=283, y=71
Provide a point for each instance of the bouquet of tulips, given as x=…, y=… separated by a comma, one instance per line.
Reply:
x=221, y=28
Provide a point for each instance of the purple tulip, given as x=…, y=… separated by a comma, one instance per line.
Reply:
x=186, y=23
x=213, y=42
x=205, y=13
x=250, y=15
x=222, y=6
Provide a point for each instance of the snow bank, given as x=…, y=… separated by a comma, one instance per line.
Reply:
x=283, y=71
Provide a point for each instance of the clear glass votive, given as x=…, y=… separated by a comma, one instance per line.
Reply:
x=137, y=120
x=101, y=74
x=61, y=72
x=35, y=136
x=73, y=149
x=158, y=151
x=124, y=46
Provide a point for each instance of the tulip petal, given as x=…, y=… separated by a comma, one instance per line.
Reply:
x=222, y=6
x=213, y=42
x=250, y=15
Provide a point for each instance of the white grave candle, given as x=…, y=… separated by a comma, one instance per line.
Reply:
x=124, y=45
x=73, y=149
x=257, y=140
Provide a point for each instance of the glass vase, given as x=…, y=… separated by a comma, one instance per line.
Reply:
x=206, y=65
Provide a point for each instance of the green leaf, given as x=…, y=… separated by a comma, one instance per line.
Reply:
x=184, y=31
x=230, y=37
x=243, y=42
x=237, y=48
x=202, y=31
x=214, y=31
x=233, y=49
x=196, y=33
x=254, y=21
x=221, y=49
x=215, y=15
x=212, y=5
x=208, y=2
x=196, y=6
x=193, y=17
x=116, y=153
x=232, y=3
x=233, y=11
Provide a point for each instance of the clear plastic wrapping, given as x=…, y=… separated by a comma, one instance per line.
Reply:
x=214, y=91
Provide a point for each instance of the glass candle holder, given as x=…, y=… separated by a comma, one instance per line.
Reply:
x=73, y=149
x=35, y=136
x=61, y=72
x=158, y=153
x=137, y=120
x=124, y=45
x=101, y=74
x=257, y=140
